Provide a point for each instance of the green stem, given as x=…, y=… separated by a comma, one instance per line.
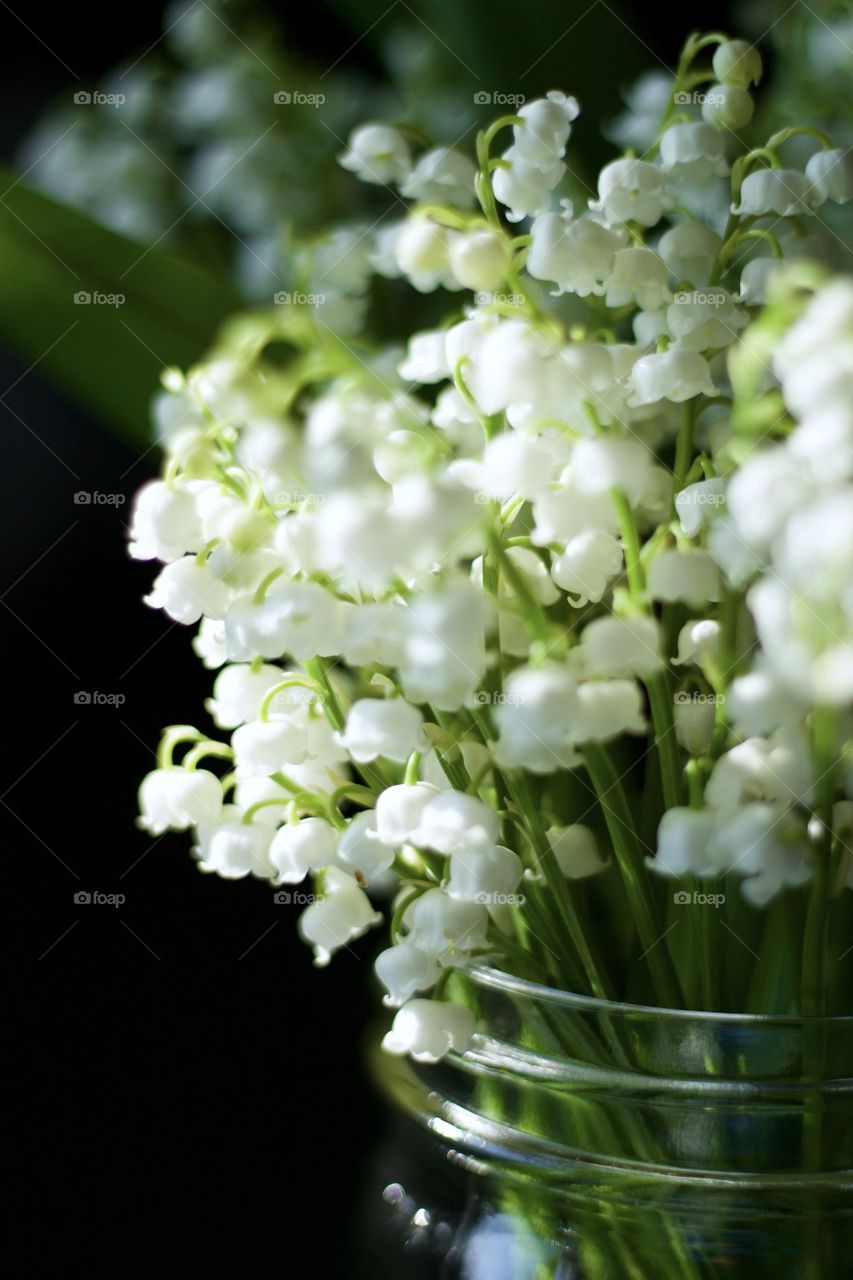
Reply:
x=629, y=858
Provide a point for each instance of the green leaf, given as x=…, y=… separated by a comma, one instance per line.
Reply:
x=106, y=357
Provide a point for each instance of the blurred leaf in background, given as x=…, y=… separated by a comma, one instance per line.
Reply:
x=99, y=313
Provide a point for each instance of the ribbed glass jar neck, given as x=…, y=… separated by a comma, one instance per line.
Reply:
x=570, y=1084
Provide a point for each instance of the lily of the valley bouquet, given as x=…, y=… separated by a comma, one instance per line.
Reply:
x=534, y=640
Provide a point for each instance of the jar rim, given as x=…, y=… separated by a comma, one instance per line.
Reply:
x=487, y=976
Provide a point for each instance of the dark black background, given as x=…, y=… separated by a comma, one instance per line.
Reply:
x=197, y=1103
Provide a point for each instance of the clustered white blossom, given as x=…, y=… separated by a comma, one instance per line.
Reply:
x=438, y=584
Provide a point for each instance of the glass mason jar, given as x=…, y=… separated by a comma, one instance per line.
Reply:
x=584, y=1139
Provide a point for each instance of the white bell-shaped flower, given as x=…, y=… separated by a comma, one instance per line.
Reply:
x=578, y=256
x=830, y=173
x=446, y=927
x=300, y=847
x=757, y=703
x=452, y=822
x=606, y=709
x=693, y=153
x=489, y=875
x=765, y=847
x=682, y=844
x=737, y=62
x=422, y=249
x=164, y=523
x=539, y=706
x=621, y=647
x=442, y=176
x=234, y=849
x=425, y=360
x=374, y=633
x=676, y=374
x=377, y=154
x=698, y=642
x=524, y=188
x=342, y=914
x=360, y=850
x=632, y=190
x=689, y=576
x=697, y=504
x=300, y=618
x=256, y=790
x=639, y=276
x=727, y=106
x=175, y=799
x=755, y=280
x=541, y=139
x=445, y=657
x=210, y=644
x=429, y=1029
x=587, y=566
x=703, y=319
x=785, y=192
x=399, y=809
x=601, y=465
x=764, y=492
x=187, y=590
x=480, y=260
x=689, y=250
x=265, y=747
x=403, y=970
x=510, y=366
x=694, y=716
x=738, y=561
x=238, y=692
x=577, y=852
x=390, y=728
x=775, y=769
